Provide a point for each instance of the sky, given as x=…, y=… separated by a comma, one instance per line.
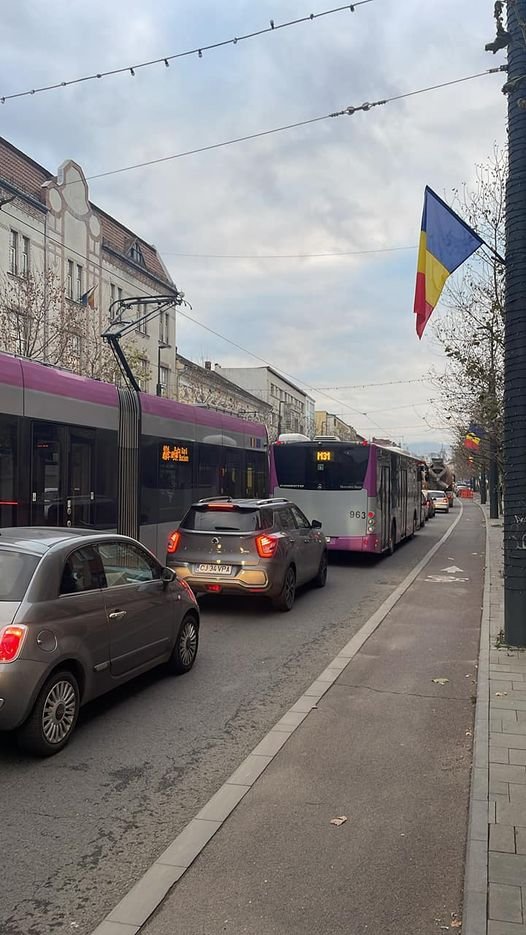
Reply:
x=346, y=185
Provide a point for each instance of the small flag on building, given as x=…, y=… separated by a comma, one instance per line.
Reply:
x=89, y=297
x=446, y=241
x=474, y=435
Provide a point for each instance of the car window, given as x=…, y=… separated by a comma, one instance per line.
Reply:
x=301, y=520
x=125, y=563
x=284, y=518
x=82, y=571
x=266, y=519
x=225, y=519
x=16, y=571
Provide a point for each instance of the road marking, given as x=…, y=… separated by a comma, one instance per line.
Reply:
x=443, y=579
x=136, y=907
x=453, y=569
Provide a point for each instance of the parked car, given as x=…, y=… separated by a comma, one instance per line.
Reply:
x=440, y=500
x=424, y=514
x=261, y=547
x=81, y=613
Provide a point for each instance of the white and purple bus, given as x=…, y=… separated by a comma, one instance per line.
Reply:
x=367, y=497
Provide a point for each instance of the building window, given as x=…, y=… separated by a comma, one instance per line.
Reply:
x=78, y=283
x=74, y=348
x=13, y=252
x=164, y=376
x=25, y=257
x=142, y=374
x=135, y=254
x=69, y=280
x=142, y=326
x=164, y=328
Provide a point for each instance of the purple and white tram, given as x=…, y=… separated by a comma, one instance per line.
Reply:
x=79, y=452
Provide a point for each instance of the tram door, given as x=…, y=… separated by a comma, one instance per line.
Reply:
x=62, y=463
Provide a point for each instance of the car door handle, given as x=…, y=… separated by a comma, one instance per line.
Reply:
x=117, y=614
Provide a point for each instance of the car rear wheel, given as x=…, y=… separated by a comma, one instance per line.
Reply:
x=285, y=599
x=53, y=718
x=186, y=645
x=321, y=578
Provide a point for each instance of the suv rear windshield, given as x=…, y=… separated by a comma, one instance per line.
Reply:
x=16, y=571
x=225, y=520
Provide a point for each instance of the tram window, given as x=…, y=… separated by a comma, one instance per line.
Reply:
x=209, y=465
x=8, y=468
x=175, y=479
x=149, y=502
x=231, y=480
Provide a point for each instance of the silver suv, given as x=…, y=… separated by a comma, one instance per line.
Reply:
x=262, y=547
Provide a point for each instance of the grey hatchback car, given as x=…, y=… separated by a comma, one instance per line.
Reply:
x=80, y=613
x=240, y=546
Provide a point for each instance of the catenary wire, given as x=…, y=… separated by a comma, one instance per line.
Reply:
x=198, y=50
x=285, y=256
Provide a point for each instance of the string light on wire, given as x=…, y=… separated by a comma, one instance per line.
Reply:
x=166, y=59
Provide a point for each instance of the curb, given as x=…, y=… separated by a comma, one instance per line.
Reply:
x=475, y=912
x=135, y=908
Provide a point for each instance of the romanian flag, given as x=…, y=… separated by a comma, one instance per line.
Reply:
x=88, y=298
x=445, y=243
x=473, y=437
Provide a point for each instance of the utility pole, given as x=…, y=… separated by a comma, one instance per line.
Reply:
x=515, y=334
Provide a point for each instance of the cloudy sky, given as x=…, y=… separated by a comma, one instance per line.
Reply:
x=339, y=186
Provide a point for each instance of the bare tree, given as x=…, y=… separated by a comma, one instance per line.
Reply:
x=28, y=327
x=472, y=330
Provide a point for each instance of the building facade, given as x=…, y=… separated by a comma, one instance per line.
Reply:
x=64, y=263
x=328, y=424
x=206, y=387
x=292, y=410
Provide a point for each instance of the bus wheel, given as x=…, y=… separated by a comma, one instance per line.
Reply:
x=392, y=539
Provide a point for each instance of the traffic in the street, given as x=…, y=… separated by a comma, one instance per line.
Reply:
x=147, y=756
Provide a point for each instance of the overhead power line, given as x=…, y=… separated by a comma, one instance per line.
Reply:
x=285, y=256
x=362, y=386
x=198, y=51
x=346, y=112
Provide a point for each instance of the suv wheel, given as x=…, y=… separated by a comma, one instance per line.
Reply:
x=285, y=599
x=321, y=578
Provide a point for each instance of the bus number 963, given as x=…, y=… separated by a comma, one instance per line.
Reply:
x=358, y=514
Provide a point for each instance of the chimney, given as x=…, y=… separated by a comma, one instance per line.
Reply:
x=208, y=364
x=217, y=366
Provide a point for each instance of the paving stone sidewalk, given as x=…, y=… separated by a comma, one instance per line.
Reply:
x=505, y=696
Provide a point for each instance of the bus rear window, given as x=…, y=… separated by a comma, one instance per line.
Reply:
x=308, y=467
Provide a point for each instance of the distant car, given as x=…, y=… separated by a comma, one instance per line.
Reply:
x=451, y=497
x=430, y=505
x=81, y=613
x=242, y=546
x=440, y=500
x=425, y=508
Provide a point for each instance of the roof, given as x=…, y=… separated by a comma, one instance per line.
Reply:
x=39, y=538
x=276, y=374
x=215, y=376
x=26, y=175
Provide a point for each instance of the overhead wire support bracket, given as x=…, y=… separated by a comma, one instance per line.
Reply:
x=119, y=328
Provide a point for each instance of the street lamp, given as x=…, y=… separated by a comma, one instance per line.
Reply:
x=160, y=347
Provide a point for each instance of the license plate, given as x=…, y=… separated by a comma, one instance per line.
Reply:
x=209, y=569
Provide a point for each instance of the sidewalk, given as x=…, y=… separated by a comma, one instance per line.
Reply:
x=506, y=909
x=383, y=738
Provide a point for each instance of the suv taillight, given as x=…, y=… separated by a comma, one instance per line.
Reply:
x=266, y=546
x=173, y=542
x=11, y=642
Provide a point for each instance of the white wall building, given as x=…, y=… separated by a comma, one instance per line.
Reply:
x=292, y=408
x=51, y=233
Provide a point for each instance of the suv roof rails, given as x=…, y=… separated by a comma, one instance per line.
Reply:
x=215, y=499
x=269, y=500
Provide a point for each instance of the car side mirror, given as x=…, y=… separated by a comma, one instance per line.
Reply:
x=316, y=524
x=167, y=575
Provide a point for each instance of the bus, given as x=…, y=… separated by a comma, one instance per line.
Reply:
x=367, y=497
x=84, y=453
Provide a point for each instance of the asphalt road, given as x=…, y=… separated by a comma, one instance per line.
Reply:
x=80, y=828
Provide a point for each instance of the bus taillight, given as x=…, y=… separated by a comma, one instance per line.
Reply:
x=371, y=521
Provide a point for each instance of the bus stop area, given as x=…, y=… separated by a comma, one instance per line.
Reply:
x=360, y=811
